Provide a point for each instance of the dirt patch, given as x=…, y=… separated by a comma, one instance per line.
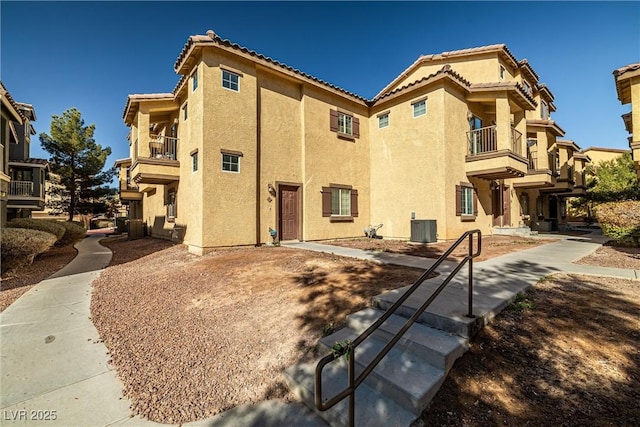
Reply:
x=133, y=249
x=15, y=284
x=567, y=354
x=614, y=256
x=194, y=336
x=492, y=246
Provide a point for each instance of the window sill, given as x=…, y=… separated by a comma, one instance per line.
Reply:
x=347, y=137
x=467, y=218
x=341, y=219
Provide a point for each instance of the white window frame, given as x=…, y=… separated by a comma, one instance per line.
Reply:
x=503, y=72
x=527, y=87
x=544, y=110
x=339, y=206
x=228, y=81
x=383, y=121
x=185, y=110
x=345, y=123
x=466, y=202
x=194, y=80
x=229, y=163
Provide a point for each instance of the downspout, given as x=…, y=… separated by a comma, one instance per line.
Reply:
x=258, y=159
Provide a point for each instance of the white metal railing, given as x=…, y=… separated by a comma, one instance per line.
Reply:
x=163, y=147
x=485, y=140
x=21, y=188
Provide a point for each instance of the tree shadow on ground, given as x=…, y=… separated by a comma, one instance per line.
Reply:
x=125, y=250
x=571, y=360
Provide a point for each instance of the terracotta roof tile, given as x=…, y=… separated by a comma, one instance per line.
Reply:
x=626, y=68
x=212, y=37
x=13, y=103
x=144, y=97
x=446, y=70
x=524, y=63
x=32, y=161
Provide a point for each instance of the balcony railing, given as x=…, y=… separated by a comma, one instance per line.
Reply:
x=163, y=147
x=484, y=140
x=21, y=188
x=532, y=161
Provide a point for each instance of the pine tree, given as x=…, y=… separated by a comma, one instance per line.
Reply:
x=79, y=161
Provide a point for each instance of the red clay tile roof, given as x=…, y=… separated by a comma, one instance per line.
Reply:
x=446, y=70
x=524, y=63
x=144, y=97
x=626, y=68
x=213, y=38
x=544, y=122
x=13, y=103
x=31, y=161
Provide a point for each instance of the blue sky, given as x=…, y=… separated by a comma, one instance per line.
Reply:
x=91, y=55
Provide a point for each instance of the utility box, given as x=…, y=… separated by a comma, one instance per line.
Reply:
x=136, y=229
x=424, y=231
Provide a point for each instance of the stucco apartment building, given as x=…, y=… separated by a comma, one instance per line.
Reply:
x=627, y=81
x=245, y=144
x=22, y=177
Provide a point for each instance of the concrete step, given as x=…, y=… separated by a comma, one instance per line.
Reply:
x=372, y=408
x=435, y=347
x=446, y=313
x=401, y=375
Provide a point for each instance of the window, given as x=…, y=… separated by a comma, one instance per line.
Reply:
x=544, y=110
x=340, y=203
x=184, y=112
x=383, y=121
x=563, y=207
x=524, y=204
x=527, y=87
x=420, y=108
x=539, y=207
x=344, y=124
x=194, y=80
x=502, y=72
x=230, y=162
x=194, y=162
x=466, y=201
x=231, y=81
x=171, y=206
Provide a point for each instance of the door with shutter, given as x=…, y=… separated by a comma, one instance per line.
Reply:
x=289, y=212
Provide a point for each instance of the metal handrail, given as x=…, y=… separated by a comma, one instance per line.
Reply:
x=354, y=382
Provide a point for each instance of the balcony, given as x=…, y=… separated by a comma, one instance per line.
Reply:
x=21, y=188
x=159, y=165
x=487, y=160
x=535, y=177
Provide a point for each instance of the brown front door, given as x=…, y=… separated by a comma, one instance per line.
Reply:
x=500, y=205
x=289, y=212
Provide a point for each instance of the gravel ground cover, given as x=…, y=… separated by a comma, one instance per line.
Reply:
x=16, y=283
x=614, y=256
x=492, y=246
x=568, y=354
x=193, y=336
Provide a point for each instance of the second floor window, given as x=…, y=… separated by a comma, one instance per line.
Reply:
x=194, y=80
x=184, y=112
x=544, y=110
x=345, y=124
x=527, y=87
x=230, y=162
x=230, y=81
x=502, y=72
x=420, y=108
x=383, y=121
x=194, y=162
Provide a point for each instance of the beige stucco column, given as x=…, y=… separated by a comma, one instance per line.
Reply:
x=542, y=150
x=520, y=124
x=143, y=133
x=635, y=108
x=503, y=123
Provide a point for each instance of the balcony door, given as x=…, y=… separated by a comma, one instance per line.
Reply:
x=500, y=205
x=475, y=123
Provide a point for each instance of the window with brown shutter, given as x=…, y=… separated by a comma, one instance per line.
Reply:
x=458, y=200
x=354, y=203
x=339, y=202
x=466, y=202
x=344, y=124
x=326, y=201
x=333, y=120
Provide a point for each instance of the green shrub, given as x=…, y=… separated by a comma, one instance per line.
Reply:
x=45, y=225
x=19, y=246
x=74, y=232
x=620, y=221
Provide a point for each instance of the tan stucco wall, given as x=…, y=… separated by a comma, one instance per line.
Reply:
x=601, y=155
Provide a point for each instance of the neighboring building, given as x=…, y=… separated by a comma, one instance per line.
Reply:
x=602, y=154
x=245, y=143
x=628, y=88
x=25, y=189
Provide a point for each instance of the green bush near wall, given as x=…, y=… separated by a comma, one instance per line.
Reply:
x=52, y=227
x=74, y=232
x=621, y=221
x=19, y=246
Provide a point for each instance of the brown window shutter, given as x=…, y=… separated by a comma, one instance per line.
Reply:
x=458, y=200
x=354, y=203
x=356, y=127
x=333, y=120
x=326, y=201
x=475, y=202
